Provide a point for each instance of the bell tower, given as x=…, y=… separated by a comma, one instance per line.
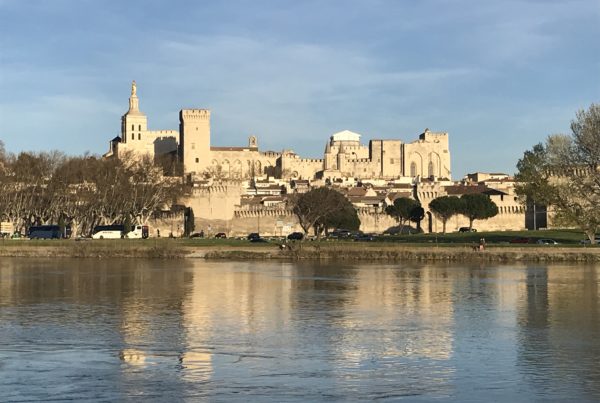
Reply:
x=133, y=123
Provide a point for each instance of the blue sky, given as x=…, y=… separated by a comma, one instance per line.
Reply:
x=499, y=76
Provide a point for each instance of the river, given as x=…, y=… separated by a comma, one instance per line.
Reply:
x=192, y=330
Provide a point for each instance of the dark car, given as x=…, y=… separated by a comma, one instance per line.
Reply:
x=253, y=235
x=258, y=240
x=520, y=240
x=363, y=238
x=221, y=235
x=340, y=233
x=296, y=236
x=466, y=229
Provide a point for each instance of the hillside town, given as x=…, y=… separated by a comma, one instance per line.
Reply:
x=238, y=190
x=241, y=189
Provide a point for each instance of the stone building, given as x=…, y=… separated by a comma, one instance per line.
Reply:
x=135, y=136
x=344, y=157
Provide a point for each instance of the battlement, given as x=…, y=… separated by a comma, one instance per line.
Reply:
x=428, y=135
x=263, y=212
x=297, y=158
x=168, y=132
x=214, y=189
x=194, y=114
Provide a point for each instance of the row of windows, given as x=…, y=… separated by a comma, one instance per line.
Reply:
x=413, y=169
x=139, y=127
x=133, y=136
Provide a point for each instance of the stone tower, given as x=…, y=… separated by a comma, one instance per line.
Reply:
x=133, y=123
x=194, y=137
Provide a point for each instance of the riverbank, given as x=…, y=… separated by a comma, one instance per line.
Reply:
x=327, y=251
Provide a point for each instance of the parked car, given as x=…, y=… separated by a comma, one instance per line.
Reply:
x=221, y=235
x=363, y=238
x=253, y=235
x=296, y=236
x=546, y=242
x=258, y=240
x=520, y=240
x=466, y=229
x=587, y=241
x=340, y=233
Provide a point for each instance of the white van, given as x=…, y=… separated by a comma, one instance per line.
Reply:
x=138, y=232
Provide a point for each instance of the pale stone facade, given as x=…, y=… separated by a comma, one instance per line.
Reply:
x=135, y=137
x=345, y=156
x=429, y=156
x=246, y=188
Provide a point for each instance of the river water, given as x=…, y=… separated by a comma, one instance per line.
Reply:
x=192, y=330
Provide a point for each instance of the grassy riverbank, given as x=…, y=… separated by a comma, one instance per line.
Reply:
x=430, y=247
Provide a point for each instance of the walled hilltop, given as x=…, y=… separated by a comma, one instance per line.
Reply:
x=345, y=155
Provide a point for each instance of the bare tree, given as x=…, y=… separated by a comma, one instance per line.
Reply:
x=564, y=173
x=316, y=208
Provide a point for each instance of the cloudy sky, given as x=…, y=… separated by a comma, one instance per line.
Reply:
x=499, y=76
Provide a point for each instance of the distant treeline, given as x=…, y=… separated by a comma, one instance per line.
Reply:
x=82, y=191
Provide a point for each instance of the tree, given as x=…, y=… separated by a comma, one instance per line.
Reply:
x=346, y=217
x=322, y=208
x=564, y=174
x=477, y=206
x=416, y=215
x=444, y=207
x=402, y=210
x=189, y=224
x=127, y=224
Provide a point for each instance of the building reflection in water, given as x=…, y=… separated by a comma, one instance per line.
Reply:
x=559, y=329
x=200, y=329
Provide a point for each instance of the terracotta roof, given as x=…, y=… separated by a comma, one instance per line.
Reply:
x=462, y=189
x=401, y=186
x=273, y=198
x=365, y=199
x=395, y=195
x=356, y=191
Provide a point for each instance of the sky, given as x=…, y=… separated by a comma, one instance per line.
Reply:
x=498, y=76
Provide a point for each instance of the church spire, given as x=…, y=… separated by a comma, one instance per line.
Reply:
x=134, y=102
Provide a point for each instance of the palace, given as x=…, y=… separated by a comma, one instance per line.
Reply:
x=237, y=190
x=344, y=157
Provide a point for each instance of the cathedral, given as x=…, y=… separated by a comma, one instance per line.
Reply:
x=345, y=156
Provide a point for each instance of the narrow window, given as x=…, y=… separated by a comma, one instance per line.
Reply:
x=132, y=127
x=430, y=168
x=139, y=136
x=413, y=169
x=132, y=136
x=140, y=127
x=197, y=160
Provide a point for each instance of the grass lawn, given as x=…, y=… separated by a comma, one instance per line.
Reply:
x=497, y=238
x=567, y=237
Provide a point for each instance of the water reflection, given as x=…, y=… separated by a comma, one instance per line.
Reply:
x=83, y=329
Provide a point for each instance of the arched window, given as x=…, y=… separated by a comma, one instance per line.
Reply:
x=430, y=169
x=139, y=136
x=132, y=127
x=140, y=127
x=413, y=169
x=132, y=136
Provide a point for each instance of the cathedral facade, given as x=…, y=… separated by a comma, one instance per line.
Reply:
x=345, y=156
